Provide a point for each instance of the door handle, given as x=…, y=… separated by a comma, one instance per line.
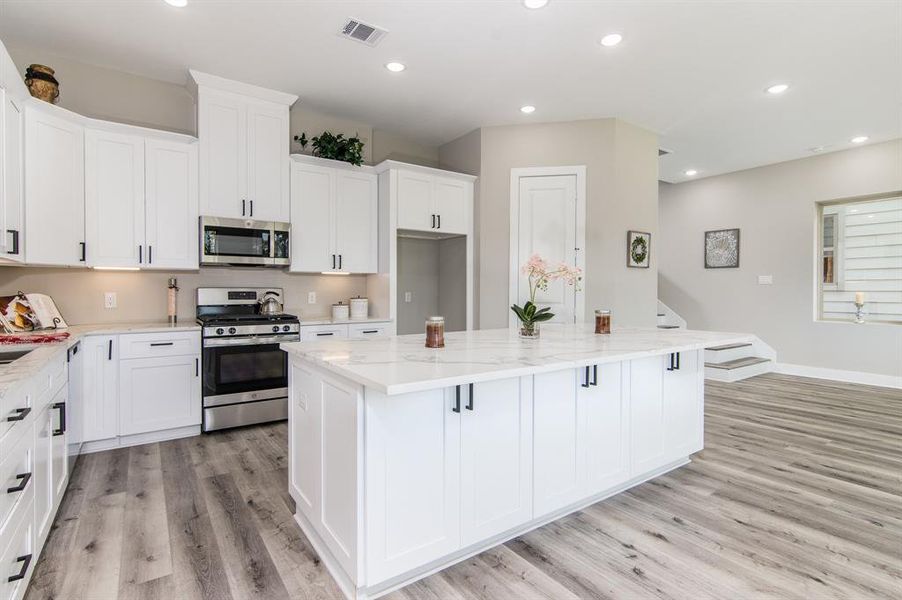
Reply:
x=456, y=399
x=370, y=331
x=674, y=361
x=15, y=249
x=162, y=343
x=60, y=406
x=196, y=367
x=470, y=399
x=323, y=334
x=339, y=262
x=83, y=252
x=20, y=415
x=678, y=360
x=150, y=255
x=25, y=477
x=26, y=562
x=586, y=380
x=333, y=261
x=594, y=374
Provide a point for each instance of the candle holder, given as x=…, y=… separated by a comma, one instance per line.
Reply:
x=859, y=312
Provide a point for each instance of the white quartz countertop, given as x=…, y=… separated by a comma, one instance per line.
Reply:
x=39, y=355
x=401, y=364
x=328, y=321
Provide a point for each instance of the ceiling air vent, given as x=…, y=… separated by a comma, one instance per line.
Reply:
x=363, y=33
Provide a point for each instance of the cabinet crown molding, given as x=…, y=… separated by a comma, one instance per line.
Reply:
x=199, y=79
x=387, y=165
x=307, y=159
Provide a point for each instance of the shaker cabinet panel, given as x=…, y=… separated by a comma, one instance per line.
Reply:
x=12, y=148
x=171, y=205
x=415, y=201
x=647, y=450
x=684, y=405
x=356, y=222
x=54, y=188
x=557, y=442
x=311, y=228
x=159, y=393
x=267, y=162
x=603, y=406
x=451, y=205
x=222, y=129
x=100, y=378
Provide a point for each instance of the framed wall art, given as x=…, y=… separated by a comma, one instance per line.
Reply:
x=722, y=249
x=638, y=249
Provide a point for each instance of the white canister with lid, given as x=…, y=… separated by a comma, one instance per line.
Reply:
x=340, y=312
x=360, y=308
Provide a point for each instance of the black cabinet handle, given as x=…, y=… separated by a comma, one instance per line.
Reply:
x=196, y=367
x=433, y=221
x=339, y=262
x=586, y=380
x=243, y=207
x=25, y=477
x=333, y=261
x=20, y=415
x=162, y=343
x=60, y=406
x=439, y=221
x=370, y=331
x=328, y=333
x=678, y=354
x=15, y=249
x=84, y=250
x=674, y=361
x=150, y=255
x=140, y=257
x=594, y=374
x=456, y=399
x=109, y=352
x=26, y=562
x=470, y=399
x=252, y=207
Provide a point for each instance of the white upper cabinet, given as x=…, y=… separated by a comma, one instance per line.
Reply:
x=12, y=122
x=335, y=217
x=114, y=199
x=54, y=186
x=171, y=226
x=244, y=146
x=430, y=200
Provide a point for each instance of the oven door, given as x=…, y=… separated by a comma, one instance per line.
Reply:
x=236, y=242
x=244, y=373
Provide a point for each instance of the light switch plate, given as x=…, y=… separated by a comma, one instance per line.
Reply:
x=110, y=300
x=408, y=297
x=765, y=279
x=311, y=297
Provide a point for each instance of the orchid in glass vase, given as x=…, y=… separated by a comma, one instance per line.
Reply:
x=539, y=276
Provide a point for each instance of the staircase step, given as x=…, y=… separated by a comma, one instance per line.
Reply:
x=728, y=347
x=668, y=326
x=662, y=315
x=738, y=363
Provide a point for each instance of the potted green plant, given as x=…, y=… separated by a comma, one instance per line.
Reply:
x=335, y=147
x=539, y=276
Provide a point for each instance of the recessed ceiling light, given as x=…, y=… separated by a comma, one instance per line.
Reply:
x=528, y=109
x=395, y=67
x=778, y=88
x=860, y=139
x=611, y=39
x=535, y=3
x=691, y=173
x=177, y=3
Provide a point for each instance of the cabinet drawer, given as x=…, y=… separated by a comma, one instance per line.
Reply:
x=323, y=332
x=367, y=330
x=57, y=373
x=148, y=345
x=18, y=557
x=16, y=472
x=16, y=404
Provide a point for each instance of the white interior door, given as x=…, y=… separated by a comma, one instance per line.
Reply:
x=547, y=226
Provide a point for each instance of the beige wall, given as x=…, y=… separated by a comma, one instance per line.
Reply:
x=621, y=162
x=142, y=294
x=314, y=122
x=774, y=207
x=389, y=146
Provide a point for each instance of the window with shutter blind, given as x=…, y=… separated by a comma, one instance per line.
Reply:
x=860, y=247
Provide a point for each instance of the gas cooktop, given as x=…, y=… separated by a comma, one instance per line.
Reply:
x=245, y=319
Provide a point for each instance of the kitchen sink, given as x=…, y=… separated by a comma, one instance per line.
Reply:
x=8, y=357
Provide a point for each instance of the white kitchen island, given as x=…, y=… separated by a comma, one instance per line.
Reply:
x=404, y=460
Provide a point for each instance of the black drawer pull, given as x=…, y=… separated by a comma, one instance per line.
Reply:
x=15, y=249
x=585, y=383
x=328, y=333
x=60, y=406
x=20, y=415
x=370, y=331
x=109, y=352
x=83, y=251
x=456, y=399
x=162, y=343
x=25, y=477
x=26, y=562
x=470, y=399
x=595, y=375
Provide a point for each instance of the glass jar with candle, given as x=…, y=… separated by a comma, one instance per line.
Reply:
x=602, y=321
x=435, y=332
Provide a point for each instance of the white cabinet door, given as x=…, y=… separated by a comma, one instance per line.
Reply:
x=605, y=441
x=171, y=205
x=267, y=162
x=43, y=471
x=311, y=227
x=356, y=222
x=451, y=200
x=305, y=463
x=100, y=398
x=413, y=497
x=59, y=451
x=557, y=442
x=495, y=458
x=54, y=189
x=684, y=405
x=11, y=177
x=222, y=130
x=415, y=201
x=114, y=199
x=647, y=450
x=159, y=393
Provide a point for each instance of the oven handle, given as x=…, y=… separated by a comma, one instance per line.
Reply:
x=250, y=340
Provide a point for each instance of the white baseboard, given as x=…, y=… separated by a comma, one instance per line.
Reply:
x=140, y=438
x=889, y=381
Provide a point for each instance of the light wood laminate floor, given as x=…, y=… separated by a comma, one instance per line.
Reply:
x=798, y=494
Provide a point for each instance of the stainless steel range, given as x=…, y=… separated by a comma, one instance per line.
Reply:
x=245, y=374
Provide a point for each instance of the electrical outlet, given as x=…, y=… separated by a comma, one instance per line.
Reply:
x=110, y=300
x=311, y=297
x=765, y=279
x=408, y=297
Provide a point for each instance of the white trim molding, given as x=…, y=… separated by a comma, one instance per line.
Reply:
x=579, y=171
x=876, y=379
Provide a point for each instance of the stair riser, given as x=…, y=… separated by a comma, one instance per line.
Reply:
x=731, y=375
x=721, y=356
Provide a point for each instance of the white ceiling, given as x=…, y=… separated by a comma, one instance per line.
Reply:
x=692, y=71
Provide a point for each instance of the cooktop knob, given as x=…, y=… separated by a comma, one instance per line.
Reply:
x=275, y=328
x=232, y=330
x=220, y=331
x=286, y=328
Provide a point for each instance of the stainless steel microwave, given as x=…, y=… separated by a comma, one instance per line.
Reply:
x=243, y=242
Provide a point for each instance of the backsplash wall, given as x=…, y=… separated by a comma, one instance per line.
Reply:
x=141, y=295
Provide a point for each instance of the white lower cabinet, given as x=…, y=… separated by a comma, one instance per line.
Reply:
x=607, y=427
x=100, y=409
x=684, y=405
x=18, y=553
x=159, y=393
x=647, y=450
x=43, y=472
